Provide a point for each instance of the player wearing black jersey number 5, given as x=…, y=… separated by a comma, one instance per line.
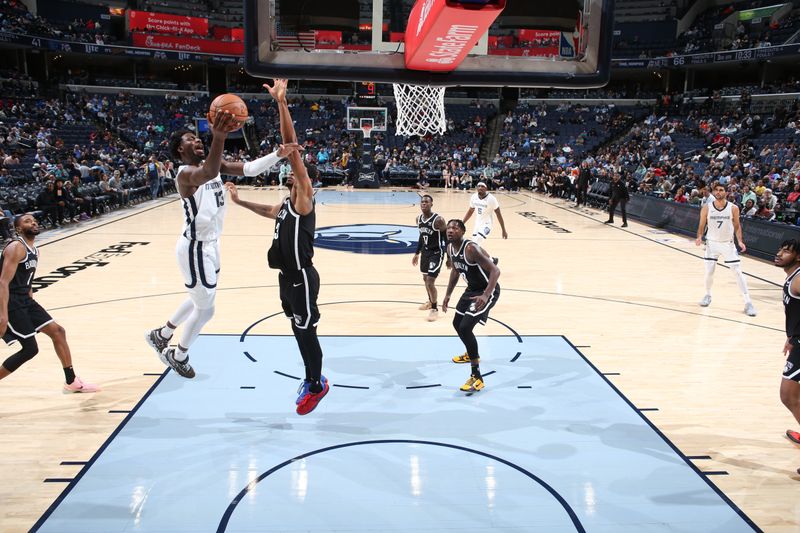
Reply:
x=291, y=253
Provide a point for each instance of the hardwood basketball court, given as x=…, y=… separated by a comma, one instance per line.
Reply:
x=707, y=378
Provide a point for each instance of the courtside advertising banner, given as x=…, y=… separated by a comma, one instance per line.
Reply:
x=187, y=44
x=164, y=23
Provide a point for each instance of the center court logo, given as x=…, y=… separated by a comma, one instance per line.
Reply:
x=368, y=238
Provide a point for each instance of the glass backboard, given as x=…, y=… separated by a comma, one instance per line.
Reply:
x=531, y=44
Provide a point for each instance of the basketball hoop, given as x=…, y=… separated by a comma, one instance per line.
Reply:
x=366, y=129
x=420, y=109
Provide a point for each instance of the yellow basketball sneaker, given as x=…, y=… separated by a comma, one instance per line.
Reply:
x=473, y=384
x=463, y=358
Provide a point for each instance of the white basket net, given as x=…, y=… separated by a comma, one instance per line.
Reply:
x=420, y=109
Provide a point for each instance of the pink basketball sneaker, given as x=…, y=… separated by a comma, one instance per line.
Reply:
x=79, y=386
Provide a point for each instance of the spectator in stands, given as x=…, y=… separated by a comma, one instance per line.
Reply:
x=465, y=183
x=765, y=213
x=108, y=192
x=769, y=200
x=747, y=194
x=115, y=184
x=64, y=202
x=283, y=172
x=154, y=174
x=85, y=202
x=422, y=180
x=794, y=196
x=46, y=202
x=749, y=209
x=11, y=160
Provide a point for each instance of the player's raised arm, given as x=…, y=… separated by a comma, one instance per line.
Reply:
x=262, y=164
x=302, y=190
x=196, y=175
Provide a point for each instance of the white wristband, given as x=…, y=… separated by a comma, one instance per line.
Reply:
x=260, y=165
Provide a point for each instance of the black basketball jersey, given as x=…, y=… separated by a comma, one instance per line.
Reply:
x=293, y=243
x=26, y=269
x=432, y=239
x=477, y=279
x=791, y=305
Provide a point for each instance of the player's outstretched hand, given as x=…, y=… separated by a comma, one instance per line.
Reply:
x=234, y=192
x=278, y=89
x=224, y=123
x=285, y=149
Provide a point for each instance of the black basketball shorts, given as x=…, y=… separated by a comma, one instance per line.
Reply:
x=25, y=319
x=299, y=291
x=466, y=306
x=791, y=370
x=431, y=263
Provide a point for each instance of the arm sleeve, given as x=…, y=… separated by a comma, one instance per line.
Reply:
x=260, y=165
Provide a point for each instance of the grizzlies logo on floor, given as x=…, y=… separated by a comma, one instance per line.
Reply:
x=368, y=238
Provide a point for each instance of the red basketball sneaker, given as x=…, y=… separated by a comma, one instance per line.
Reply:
x=310, y=401
x=793, y=436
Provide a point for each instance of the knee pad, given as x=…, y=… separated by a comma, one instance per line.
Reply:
x=28, y=350
x=466, y=326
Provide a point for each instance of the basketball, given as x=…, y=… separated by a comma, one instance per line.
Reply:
x=230, y=103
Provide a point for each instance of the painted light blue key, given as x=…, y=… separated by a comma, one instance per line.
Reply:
x=366, y=198
x=567, y=454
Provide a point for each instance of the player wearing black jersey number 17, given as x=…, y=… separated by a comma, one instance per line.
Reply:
x=788, y=258
x=291, y=253
x=432, y=248
x=481, y=274
x=21, y=317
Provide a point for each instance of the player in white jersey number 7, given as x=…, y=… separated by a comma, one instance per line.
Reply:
x=197, y=250
x=721, y=219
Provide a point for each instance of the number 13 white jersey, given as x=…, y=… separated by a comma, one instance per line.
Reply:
x=204, y=211
x=720, y=223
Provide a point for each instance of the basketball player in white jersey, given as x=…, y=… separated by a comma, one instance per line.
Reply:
x=203, y=197
x=721, y=217
x=483, y=204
